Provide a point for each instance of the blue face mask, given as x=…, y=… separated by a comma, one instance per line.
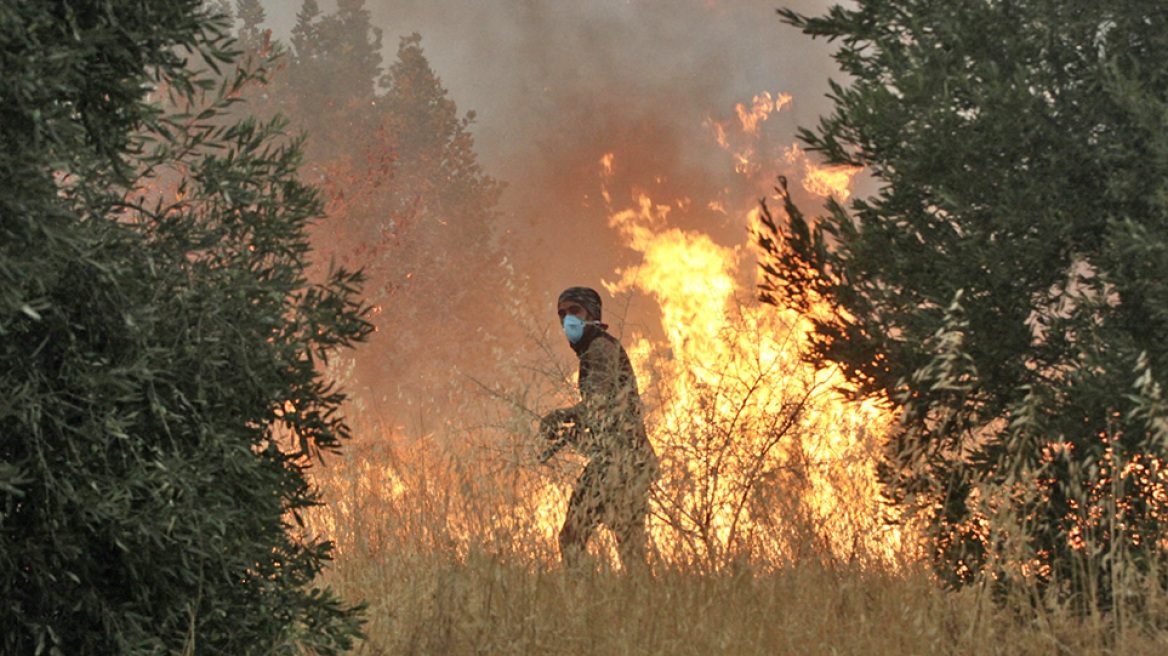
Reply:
x=573, y=328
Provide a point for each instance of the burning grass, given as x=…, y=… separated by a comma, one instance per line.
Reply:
x=450, y=538
x=767, y=529
x=455, y=557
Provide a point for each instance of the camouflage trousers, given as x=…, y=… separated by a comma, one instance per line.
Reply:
x=615, y=494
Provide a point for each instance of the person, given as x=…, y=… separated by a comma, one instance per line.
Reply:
x=607, y=427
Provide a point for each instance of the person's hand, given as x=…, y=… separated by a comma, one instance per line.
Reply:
x=552, y=427
x=551, y=424
x=547, y=454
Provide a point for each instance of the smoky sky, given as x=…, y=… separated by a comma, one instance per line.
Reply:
x=557, y=84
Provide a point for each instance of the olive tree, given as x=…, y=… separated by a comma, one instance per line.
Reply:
x=1004, y=286
x=159, y=344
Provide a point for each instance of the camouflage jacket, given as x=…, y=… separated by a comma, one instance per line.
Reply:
x=607, y=422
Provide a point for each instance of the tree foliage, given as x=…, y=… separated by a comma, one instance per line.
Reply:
x=407, y=199
x=1005, y=285
x=440, y=207
x=330, y=80
x=251, y=15
x=159, y=345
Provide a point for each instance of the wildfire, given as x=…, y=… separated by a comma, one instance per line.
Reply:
x=735, y=411
x=755, y=442
x=761, y=455
x=755, y=158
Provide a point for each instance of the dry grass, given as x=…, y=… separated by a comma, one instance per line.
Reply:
x=435, y=548
x=424, y=603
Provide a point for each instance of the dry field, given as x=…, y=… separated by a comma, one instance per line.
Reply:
x=454, y=558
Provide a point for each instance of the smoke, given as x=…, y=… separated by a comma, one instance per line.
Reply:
x=557, y=84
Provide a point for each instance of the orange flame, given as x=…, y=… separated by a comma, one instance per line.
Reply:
x=731, y=367
x=835, y=181
x=760, y=110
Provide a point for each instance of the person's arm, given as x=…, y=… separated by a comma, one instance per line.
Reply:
x=559, y=427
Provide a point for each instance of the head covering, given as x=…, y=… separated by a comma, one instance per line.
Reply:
x=586, y=297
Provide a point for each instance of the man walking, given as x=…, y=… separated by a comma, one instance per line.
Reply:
x=606, y=426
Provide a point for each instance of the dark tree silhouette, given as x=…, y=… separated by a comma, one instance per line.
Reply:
x=251, y=16
x=329, y=85
x=407, y=201
x=160, y=343
x=443, y=269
